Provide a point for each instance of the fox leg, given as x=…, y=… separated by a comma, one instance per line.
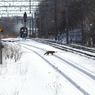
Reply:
x=52, y=53
x=47, y=53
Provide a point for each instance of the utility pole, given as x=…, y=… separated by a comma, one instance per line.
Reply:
x=30, y=5
x=1, y=30
x=35, y=24
x=30, y=28
x=30, y=17
x=67, y=25
x=46, y=20
x=82, y=33
x=32, y=25
x=39, y=34
x=82, y=25
x=55, y=20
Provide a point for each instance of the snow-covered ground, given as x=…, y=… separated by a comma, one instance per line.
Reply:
x=63, y=73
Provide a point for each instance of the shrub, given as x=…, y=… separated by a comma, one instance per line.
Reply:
x=11, y=51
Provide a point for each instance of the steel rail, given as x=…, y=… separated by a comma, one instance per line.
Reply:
x=62, y=73
x=79, y=50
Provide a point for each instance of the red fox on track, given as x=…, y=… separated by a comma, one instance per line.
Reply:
x=49, y=52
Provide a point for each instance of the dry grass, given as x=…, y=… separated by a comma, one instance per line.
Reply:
x=11, y=51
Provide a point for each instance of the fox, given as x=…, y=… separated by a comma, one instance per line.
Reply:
x=49, y=52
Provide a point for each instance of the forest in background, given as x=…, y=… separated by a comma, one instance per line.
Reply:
x=81, y=15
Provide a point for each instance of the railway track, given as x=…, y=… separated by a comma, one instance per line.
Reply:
x=81, y=50
x=59, y=67
x=64, y=67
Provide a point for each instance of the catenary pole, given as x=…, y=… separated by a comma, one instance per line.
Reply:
x=30, y=17
x=67, y=22
x=35, y=24
x=46, y=20
x=55, y=20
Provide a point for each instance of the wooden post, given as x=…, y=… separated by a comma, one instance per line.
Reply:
x=0, y=50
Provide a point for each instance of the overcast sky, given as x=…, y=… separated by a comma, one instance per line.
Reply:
x=16, y=8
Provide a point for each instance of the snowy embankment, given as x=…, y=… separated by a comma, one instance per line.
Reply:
x=32, y=75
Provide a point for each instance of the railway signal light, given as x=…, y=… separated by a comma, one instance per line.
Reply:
x=25, y=17
x=1, y=30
